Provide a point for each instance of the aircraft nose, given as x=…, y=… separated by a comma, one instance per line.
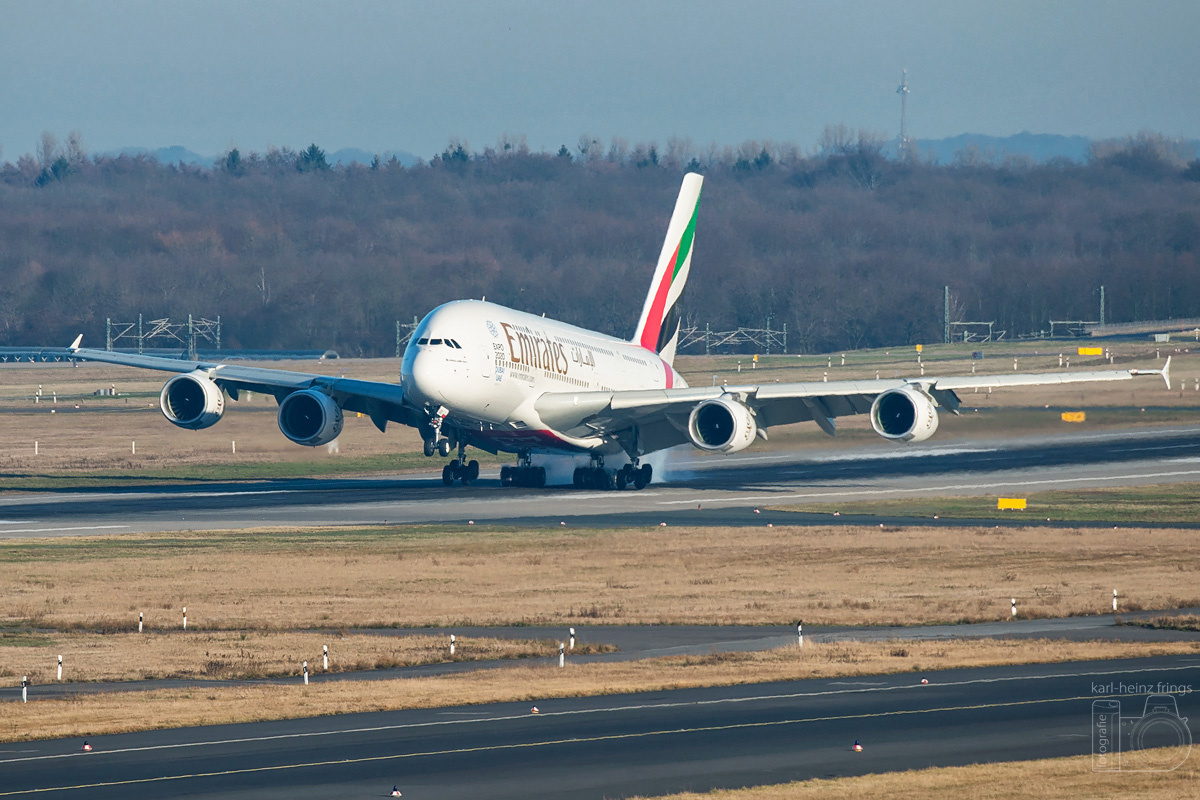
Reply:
x=426, y=375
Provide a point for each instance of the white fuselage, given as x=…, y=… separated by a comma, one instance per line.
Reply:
x=486, y=365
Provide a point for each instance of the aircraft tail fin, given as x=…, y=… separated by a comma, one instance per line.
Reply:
x=658, y=328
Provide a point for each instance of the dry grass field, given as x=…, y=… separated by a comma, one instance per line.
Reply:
x=95, y=714
x=1051, y=778
x=294, y=581
x=228, y=655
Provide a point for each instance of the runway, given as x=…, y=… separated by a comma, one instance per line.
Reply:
x=632, y=744
x=726, y=489
x=654, y=743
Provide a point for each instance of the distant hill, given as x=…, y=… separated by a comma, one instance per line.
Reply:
x=178, y=154
x=353, y=155
x=1039, y=147
x=167, y=155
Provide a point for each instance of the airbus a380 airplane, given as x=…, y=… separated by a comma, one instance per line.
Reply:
x=479, y=374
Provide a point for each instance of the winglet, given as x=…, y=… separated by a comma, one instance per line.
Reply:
x=79, y=339
x=1165, y=372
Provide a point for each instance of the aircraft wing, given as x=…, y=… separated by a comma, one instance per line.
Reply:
x=661, y=415
x=382, y=402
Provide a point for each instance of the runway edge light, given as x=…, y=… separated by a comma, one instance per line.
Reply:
x=858, y=748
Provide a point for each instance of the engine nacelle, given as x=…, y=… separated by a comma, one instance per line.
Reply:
x=192, y=401
x=904, y=415
x=310, y=418
x=723, y=425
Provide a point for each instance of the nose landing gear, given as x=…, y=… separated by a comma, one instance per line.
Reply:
x=434, y=441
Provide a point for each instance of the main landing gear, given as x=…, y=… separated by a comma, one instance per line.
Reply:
x=460, y=469
x=523, y=473
x=597, y=477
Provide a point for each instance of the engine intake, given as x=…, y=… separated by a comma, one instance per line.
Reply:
x=310, y=418
x=904, y=415
x=192, y=401
x=723, y=425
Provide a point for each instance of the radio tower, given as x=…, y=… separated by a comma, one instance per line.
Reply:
x=905, y=145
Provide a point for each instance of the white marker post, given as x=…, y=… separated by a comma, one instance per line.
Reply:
x=1014, y=606
x=306, y=673
x=185, y=618
x=24, y=688
x=325, y=658
x=60, y=669
x=562, y=659
x=133, y=447
x=141, y=616
x=572, y=638
x=35, y=447
x=1114, y=600
x=452, y=644
x=233, y=443
x=800, y=633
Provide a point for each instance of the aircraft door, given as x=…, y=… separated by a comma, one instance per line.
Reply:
x=485, y=359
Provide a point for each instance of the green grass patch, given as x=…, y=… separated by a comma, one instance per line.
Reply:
x=18, y=639
x=1176, y=503
x=221, y=473
x=181, y=544
x=1181, y=622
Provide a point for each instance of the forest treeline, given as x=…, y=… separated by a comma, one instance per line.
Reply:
x=847, y=247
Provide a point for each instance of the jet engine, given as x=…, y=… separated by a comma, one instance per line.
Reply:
x=310, y=418
x=192, y=401
x=723, y=425
x=904, y=415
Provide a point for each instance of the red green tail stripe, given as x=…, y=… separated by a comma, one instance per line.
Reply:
x=654, y=321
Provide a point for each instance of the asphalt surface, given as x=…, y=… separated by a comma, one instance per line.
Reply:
x=639, y=744
x=688, y=489
x=693, y=740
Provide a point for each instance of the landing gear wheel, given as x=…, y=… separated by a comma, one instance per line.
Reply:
x=642, y=477
x=448, y=473
x=521, y=475
x=444, y=447
x=622, y=479
x=579, y=478
x=430, y=446
x=472, y=472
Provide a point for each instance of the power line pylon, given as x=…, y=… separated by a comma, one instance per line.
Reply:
x=905, y=149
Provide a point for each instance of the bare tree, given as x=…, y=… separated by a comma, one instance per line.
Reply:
x=76, y=153
x=47, y=149
x=835, y=139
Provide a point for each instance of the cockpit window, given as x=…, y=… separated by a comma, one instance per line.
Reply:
x=435, y=341
x=454, y=344
x=423, y=341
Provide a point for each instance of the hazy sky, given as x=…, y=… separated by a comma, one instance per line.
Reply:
x=410, y=75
